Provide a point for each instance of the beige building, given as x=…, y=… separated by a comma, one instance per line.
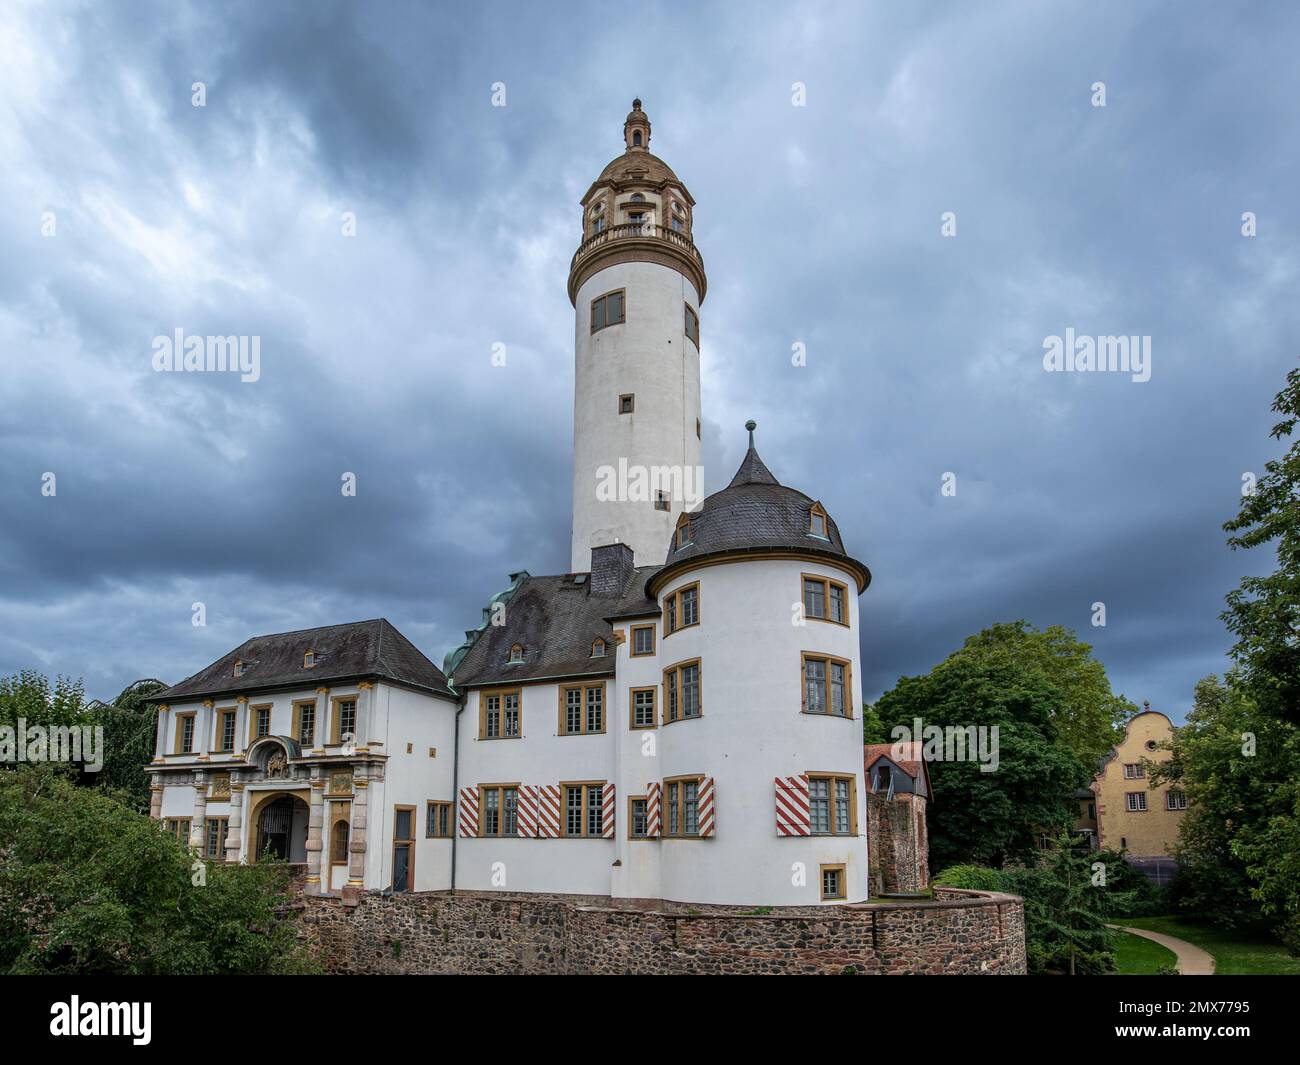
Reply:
x=1130, y=814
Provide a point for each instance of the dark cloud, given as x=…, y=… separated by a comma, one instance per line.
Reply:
x=819, y=225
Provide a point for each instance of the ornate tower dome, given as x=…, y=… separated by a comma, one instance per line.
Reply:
x=637, y=210
x=636, y=283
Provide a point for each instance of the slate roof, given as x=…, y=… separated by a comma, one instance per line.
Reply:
x=356, y=650
x=755, y=512
x=555, y=619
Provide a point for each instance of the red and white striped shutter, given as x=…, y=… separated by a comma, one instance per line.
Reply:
x=468, y=812
x=706, y=807
x=607, y=811
x=793, y=817
x=653, y=792
x=526, y=812
x=548, y=811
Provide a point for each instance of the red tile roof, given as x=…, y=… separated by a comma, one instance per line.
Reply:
x=910, y=764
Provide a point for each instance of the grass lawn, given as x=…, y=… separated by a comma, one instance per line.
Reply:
x=1135, y=956
x=1235, y=951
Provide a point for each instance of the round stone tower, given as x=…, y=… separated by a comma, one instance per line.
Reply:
x=636, y=282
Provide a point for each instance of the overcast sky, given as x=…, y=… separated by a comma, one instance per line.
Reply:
x=819, y=224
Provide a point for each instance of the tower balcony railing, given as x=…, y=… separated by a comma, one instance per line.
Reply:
x=677, y=243
x=640, y=231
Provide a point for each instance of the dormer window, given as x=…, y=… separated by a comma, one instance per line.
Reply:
x=309, y=660
x=240, y=667
x=516, y=654
x=684, y=534
x=598, y=648
x=817, y=522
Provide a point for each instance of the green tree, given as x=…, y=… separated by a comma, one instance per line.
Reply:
x=1065, y=912
x=1264, y=612
x=1067, y=901
x=128, y=723
x=991, y=817
x=1089, y=718
x=30, y=695
x=90, y=886
x=1237, y=844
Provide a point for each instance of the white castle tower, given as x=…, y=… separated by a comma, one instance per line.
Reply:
x=636, y=283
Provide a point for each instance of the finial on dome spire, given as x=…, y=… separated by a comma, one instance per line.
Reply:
x=636, y=130
x=751, y=425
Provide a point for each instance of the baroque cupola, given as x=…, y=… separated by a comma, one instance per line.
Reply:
x=637, y=210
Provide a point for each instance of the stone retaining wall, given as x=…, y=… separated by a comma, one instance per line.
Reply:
x=434, y=932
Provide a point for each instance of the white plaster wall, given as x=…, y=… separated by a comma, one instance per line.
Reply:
x=412, y=779
x=638, y=763
x=178, y=801
x=650, y=356
x=539, y=756
x=752, y=730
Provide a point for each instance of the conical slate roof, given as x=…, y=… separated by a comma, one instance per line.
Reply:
x=756, y=513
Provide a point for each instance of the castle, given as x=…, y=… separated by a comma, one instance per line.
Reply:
x=676, y=718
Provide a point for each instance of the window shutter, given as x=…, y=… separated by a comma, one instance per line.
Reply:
x=792, y=814
x=468, y=812
x=548, y=811
x=652, y=794
x=607, y=812
x=526, y=812
x=706, y=807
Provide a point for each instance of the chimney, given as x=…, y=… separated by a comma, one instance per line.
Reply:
x=611, y=569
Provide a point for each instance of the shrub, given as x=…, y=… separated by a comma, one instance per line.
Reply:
x=90, y=886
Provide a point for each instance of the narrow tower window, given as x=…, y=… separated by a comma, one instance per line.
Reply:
x=607, y=310
x=626, y=403
x=692, y=324
x=636, y=139
x=662, y=501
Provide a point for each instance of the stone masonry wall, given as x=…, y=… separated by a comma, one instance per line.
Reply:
x=958, y=932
